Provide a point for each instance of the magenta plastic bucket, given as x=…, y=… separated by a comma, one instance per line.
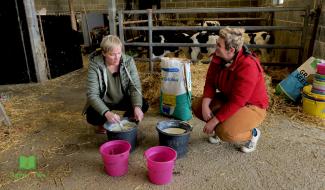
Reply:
x=321, y=68
x=115, y=155
x=160, y=164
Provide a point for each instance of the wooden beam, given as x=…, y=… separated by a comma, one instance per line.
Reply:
x=111, y=16
x=3, y=116
x=36, y=43
x=72, y=16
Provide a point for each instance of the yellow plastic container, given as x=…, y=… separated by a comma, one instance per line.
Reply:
x=313, y=104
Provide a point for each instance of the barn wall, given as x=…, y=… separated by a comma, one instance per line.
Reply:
x=54, y=6
x=59, y=6
x=319, y=48
x=294, y=19
x=207, y=3
x=289, y=37
x=283, y=18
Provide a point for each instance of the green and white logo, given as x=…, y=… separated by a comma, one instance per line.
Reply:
x=27, y=162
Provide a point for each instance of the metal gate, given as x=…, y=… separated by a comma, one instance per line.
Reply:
x=261, y=10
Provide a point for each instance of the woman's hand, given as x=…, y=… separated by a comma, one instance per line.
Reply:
x=210, y=125
x=206, y=113
x=138, y=114
x=112, y=117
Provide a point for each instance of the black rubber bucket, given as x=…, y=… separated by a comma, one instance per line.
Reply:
x=128, y=135
x=178, y=142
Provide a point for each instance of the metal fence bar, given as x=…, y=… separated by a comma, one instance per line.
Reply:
x=150, y=38
x=208, y=19
x=134, y=22
x=275, y=64
x=267, y=46
x=194, y=19
x=208, y=45
x=219, y=10
x=214, y=28
x=287, y=64
x=150, y=28
x=236, y=19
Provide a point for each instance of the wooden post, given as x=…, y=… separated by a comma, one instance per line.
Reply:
x=72, y=16
x=302, y=55
x=316, y=17
x=36, y=43
x=111, y=16
x=120, y=24
x=3, y=116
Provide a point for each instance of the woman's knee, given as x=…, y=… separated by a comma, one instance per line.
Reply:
x=225, y=136
x=232, y=136
x=197, y=108
x=145, y=105
x=93, y=117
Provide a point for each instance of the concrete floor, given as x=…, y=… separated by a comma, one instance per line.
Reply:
x=290, y=155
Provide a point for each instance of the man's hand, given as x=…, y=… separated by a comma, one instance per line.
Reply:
x=138, y=114
x=210, y=125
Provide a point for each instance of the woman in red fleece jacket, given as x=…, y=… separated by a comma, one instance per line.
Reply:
x=235, y=99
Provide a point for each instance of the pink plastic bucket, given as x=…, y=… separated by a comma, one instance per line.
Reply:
x=160, y=164
x=115, y=155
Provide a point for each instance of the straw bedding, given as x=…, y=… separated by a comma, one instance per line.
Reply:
x=27, y=112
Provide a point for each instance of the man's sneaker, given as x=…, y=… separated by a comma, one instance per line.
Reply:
x=214, y=140
x=250, y=146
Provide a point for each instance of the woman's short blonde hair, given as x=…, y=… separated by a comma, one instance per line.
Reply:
x=233, y=37
x=110, y=42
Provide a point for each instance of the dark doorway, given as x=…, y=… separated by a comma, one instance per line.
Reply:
x=17, y=65
x=62, y=44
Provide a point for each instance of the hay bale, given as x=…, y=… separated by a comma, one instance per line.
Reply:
x=151, y=83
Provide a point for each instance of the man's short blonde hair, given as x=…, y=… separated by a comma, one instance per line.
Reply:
x=110, y=42
x=233, y=37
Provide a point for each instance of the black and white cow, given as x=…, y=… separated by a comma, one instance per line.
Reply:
x=192, y=52
x=249, y=38
x=183, y=37
x=211, y=23
x=166, y=37
x=203, y=38
x=260, y=38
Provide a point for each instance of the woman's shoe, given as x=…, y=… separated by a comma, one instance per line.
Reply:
x=100, y=129
x=214, y=140
x=250, y=146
